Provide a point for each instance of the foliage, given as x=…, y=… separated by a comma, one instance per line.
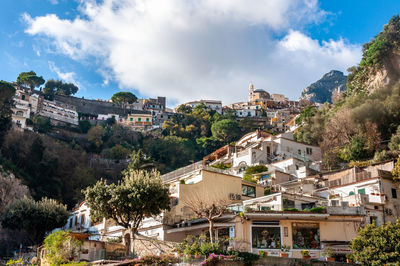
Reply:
x=225, y=130
x=140, y=161
x=394, y=144
x=222, y=166
x=124, y=97
x=36, y=218
x=7, y=91
x=208, y=248
x=117, y=152
x=327, y=252
x=140, y=194
x=285, y=248
x=84, y=126
x=10, y=189
x=267, y=191
x=305, y=253
x=320, y=209
x=30, y=79
x=164, y=259
x=61, y=247
x=96, y=136
x=117, y=239
x=396, y=170
x=57, y=87
x=251, y=170
x=247, y=257
x=41, y=124
x=291, y=209
x=377, y=245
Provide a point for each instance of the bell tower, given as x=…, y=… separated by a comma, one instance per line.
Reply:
x=251, y=92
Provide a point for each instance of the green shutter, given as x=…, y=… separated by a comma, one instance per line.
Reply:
x=361, y=191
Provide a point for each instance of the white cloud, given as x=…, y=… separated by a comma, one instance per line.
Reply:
x=68, y=77
x=186, y=49
x=54, y=2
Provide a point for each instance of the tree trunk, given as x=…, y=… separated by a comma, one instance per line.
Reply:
x=127, y=240
x=211, y=227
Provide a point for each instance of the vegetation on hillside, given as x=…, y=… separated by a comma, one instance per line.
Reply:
x=361, y=125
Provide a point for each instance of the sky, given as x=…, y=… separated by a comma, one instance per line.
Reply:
x=186, y=49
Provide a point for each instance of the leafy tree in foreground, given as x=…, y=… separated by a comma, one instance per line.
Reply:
x=377, y=245
x=140, y=194
x=124, y=97
x=35, y=217
x=30, y=79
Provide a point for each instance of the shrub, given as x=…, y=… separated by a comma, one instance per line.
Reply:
x=321, y=209
x=208, y=248
x=61, y=247
x=291, y=209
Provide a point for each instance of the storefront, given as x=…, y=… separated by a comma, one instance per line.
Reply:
x=266, y=236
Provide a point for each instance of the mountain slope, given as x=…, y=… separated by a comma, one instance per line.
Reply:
x=322, y=90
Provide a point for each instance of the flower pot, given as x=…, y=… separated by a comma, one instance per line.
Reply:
x=197, y=256
x=307, y=257
x=284, y=255
x=329, y=259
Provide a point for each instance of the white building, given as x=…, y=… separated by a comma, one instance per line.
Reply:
x=58, y=112
x=21, y=109
x=210, y=104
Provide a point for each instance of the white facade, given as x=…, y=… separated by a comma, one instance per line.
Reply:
x=52, y=110
x=21, y=109
x=210, y=104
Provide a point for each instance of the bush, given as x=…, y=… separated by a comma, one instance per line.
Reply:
x=321, y=209
x=208, y=248
x=61, y=247
x=291, y=209
x=165, y=259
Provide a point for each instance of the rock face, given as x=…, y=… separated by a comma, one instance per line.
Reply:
x=322, y=90
x=386, y=75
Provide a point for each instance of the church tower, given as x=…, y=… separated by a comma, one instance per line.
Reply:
x=251, y=92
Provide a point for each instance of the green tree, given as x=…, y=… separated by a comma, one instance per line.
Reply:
x=96, y=135
x=396, y=170
x=140, y=194
x=84, y=126
x=377, y=245
x=30, y=79
x=35, y=217
x=7, y=91
x=124, y=98
x=41, y=124
x=184, y=109
x=140, y=161
x=394, y=143
x=60, y=247
x=53, y=87
x=225, y=130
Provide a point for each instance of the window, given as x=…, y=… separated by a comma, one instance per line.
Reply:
x=394, y=193
x=266, y=237
x=139, y=119
x=307, y=206
x=299, y=152
x=361, y=191
x=305, y=236
x=83, y=220
x=309, y=151
x=248, y=191
x=131, y=119
x=147, y=119
x=23, y=97
x=288, y=204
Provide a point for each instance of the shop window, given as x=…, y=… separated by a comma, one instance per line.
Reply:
x=394, y=193
x=361, y=191
x=306, y=236
x=266, y=237
x=248, y=191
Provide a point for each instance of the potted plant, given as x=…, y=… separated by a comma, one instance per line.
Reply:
x=197, y=255
x=306, y=254
x=261, y=253
x=285, y=251
x=328, y=253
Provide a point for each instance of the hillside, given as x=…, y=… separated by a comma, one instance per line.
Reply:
x=363, y=125
x=322, y=90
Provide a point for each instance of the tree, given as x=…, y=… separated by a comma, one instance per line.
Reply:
x=396, y=170
x=96, y=135
x=35, y=217
x=53, y=87
x=84, y=126
x=7, y=91
x=184, y=109
x=225, y=130
x=377, y=245
x=60, y=247
x=10, y=189
x=140, y=161
x=124, y=98
x=140, y=194
x=207, y=204
x=394, y=143
x=30, y=79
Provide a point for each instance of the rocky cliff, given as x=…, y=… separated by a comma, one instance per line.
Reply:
x=322, y=90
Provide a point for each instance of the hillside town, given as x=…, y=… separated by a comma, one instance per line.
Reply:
x=140, y=140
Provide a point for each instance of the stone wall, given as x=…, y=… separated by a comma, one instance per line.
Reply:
x=149, y=246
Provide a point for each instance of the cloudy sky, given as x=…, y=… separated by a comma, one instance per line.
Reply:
x=186, y=49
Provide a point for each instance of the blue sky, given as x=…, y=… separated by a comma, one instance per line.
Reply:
x=185, y=49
